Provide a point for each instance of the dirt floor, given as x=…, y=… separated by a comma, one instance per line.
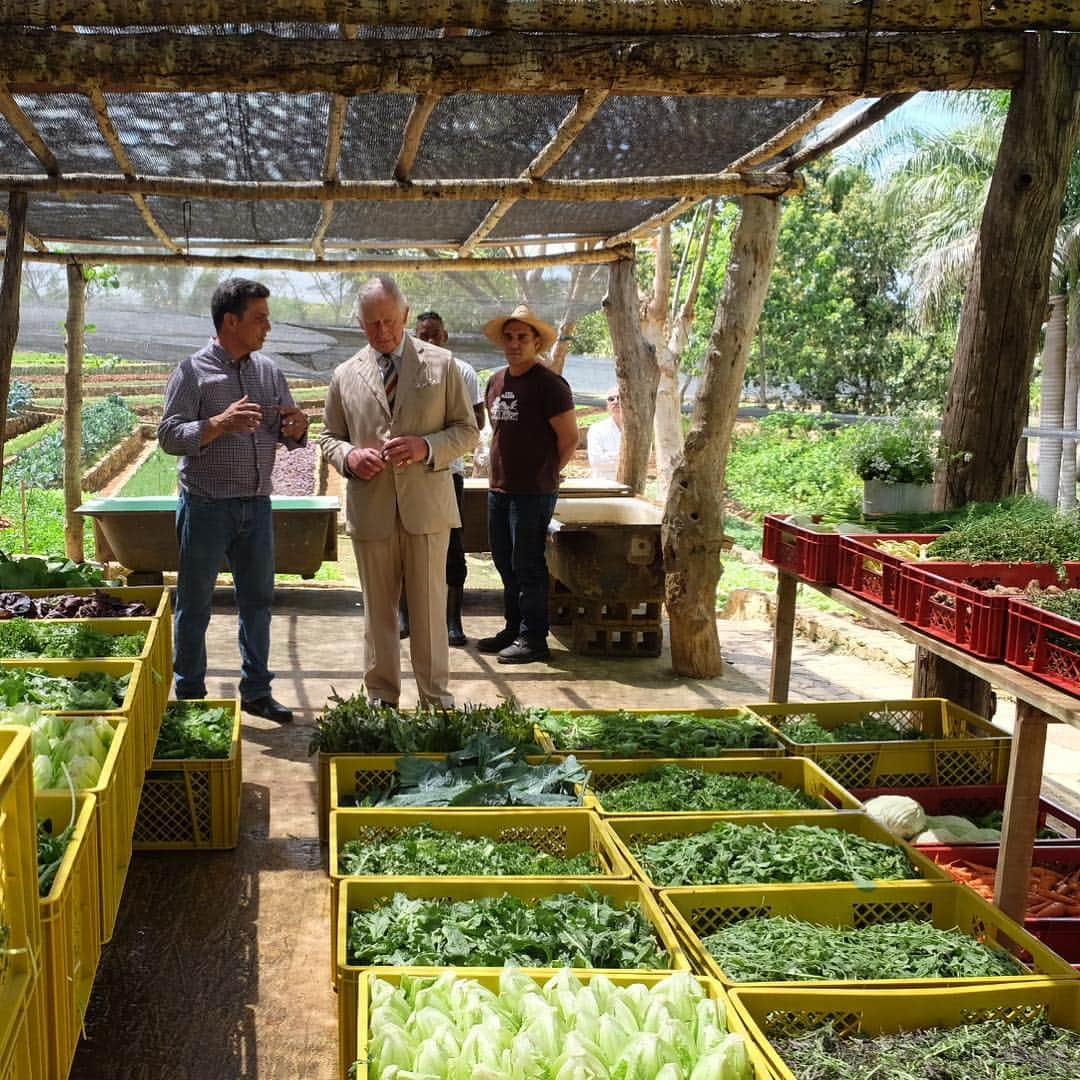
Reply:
x=219, y=967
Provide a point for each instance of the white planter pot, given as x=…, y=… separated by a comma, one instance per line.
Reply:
x=882, y=498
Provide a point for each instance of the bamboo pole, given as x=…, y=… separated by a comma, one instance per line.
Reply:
x=285, y=245
x=24, y=128
x=793, y=65
x=608, y=188
x=345, y=266
x=612, y=17
x=573, y=124
x=10, y=285
x=790, y=135
x=75, y=342
x=109, y=134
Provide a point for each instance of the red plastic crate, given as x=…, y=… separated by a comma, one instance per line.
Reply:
x=872, y=574
x=1060, y=934
x=809, y=555
x=1043, y=645
x=978, y=800
x=948, y=600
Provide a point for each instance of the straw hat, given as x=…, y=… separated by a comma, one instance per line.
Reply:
x=522, y=313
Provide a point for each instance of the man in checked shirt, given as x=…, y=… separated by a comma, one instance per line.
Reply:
x=226, y=409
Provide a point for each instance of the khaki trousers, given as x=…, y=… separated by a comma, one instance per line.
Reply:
x=419, y=558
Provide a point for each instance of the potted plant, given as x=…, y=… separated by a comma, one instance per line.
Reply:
x=896, y=461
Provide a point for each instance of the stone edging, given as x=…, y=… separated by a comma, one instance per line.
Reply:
x=117, y=459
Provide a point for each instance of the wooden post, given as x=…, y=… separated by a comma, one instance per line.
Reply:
x=9, y=303
x=75, y=341
x=783, y=634
x=1004, y=307
x=636, y=370
x=692, y=533
x=1021, y=810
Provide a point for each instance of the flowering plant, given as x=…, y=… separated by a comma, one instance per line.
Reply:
x=902, y=451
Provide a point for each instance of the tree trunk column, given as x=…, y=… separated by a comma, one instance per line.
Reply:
x=10, y=286
x=693, y=530
x=75, y=341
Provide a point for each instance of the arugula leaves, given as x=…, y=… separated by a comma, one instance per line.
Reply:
x=577, y=930
x=673, y=788
x=190, y=729
x=424, y=850
x=91, y=691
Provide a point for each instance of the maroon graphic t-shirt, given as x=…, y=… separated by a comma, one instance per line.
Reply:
x=524, y=450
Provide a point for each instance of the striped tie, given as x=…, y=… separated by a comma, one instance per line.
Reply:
x=389, y=374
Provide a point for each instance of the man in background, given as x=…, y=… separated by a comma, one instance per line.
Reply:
x=226, y=409
x=397, y=415
x=605, y=441
x=534, y=435
x=431, y=328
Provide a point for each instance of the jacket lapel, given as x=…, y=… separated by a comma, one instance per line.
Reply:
x=371, y=373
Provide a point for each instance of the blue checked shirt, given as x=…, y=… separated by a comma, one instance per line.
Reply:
x=236, y=464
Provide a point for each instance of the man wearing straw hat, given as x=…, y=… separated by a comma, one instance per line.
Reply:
x=534, y=434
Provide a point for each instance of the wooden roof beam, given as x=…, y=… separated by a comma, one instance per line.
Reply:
x=800, y=126
x=109, y=134
x=24, y=128
x=489, y=189
x=575, y=121
x=611, y=17
x=775, y=66
x=349, y=266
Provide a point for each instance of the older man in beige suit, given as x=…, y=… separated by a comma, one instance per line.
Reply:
x=397, y=415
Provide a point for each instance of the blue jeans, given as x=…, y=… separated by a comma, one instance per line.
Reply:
x=517, y=530
x=209, y=531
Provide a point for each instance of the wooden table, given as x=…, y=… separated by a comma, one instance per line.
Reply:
x=1037, y=705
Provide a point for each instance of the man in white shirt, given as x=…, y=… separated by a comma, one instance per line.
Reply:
x=605, y=441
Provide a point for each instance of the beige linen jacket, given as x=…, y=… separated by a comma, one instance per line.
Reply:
x=430, y=401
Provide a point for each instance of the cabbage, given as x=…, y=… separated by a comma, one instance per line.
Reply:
x=728, y=1062
x=903, y=817
x=43, y=772
x=85, y=771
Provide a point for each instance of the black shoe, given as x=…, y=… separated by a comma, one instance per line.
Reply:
x=497, y=643
x=523, y=652
x=403, y=622
x=268, y=709
x=455, y=632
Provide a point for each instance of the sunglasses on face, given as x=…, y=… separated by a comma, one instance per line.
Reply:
x=613, y=397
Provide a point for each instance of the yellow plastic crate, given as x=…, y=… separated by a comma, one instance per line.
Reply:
x=357, y=894
x=959, y=748
x=632, y=829
x=783, y=1012
x=114, y=818
x=698, y=912
x=555, y=831
x=799, y=774
x=21, y=1004
x=544, y=740
x=71, y=924
x=353, y=1033
x=193, y=802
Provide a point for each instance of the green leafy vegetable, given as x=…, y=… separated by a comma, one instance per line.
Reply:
x=46, y=572
x=50, y=853
x=72, y=641
x=674, y=788
x=990, y=1050
x=730, y=854
x=91, y=691
x=870, y=727
x=423, y=850
x=190, y=729
x=623, y=734
x=789, y=949
x=578, y=930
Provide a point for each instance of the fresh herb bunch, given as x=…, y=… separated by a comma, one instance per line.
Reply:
x=1019, y=530
x=788, y=949
x=50, y=852
x=1065, y=603
x=485, y=773
x=870, y=727
x=903, y=451
x=990, y=1050
x=423, y=851
x=191, y=729
x=623, y=734
x=72, y=641
x=730, y=854
x=578, y=930
x=674, y=788
x=90, y=691
x=355, y=725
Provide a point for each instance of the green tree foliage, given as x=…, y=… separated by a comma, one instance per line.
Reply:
x=836, y=320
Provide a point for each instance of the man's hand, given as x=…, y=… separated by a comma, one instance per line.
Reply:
x=405, y=450
x=240, y=416
x=364, y=463
x=294, y=421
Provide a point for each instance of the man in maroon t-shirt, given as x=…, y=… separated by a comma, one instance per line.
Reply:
x=534, y=434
